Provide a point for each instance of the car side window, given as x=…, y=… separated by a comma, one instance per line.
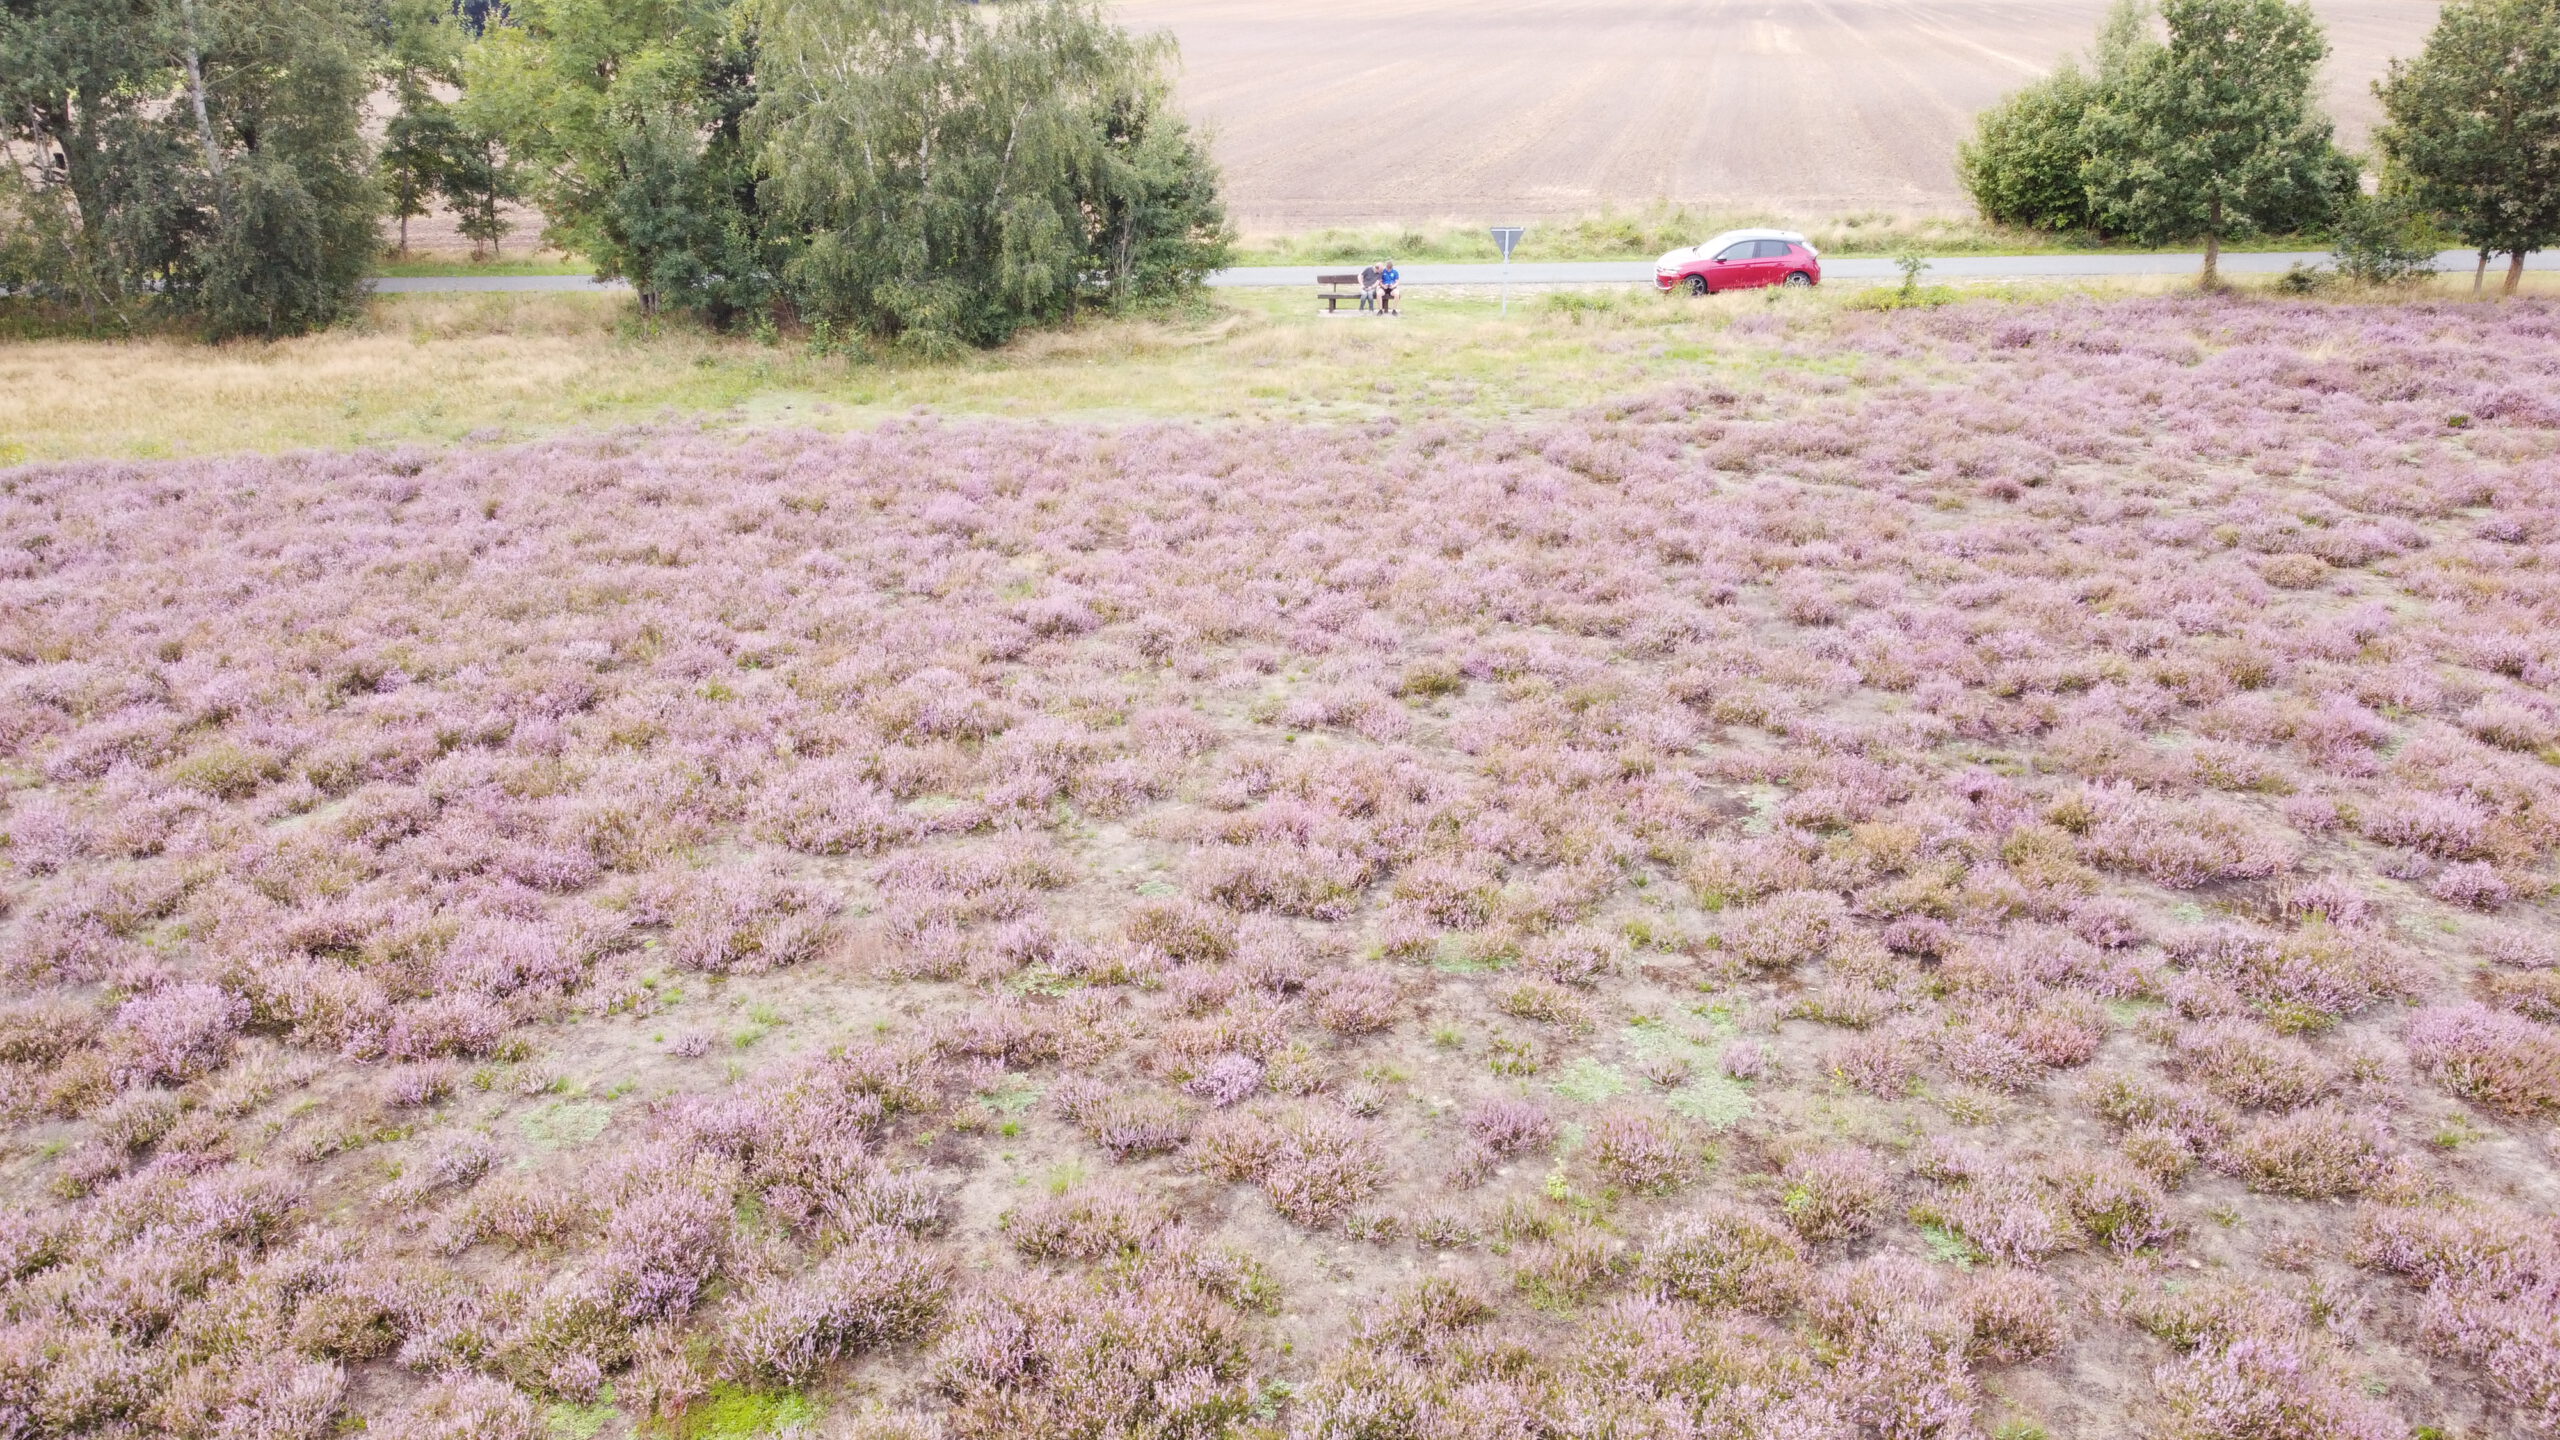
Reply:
x=1741, y=250
x=1772, y=249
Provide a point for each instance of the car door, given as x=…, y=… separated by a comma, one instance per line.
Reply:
x=1769, y=261
x=1732, y=267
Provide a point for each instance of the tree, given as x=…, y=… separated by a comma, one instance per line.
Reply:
x=421, y=53
x=202, y=155
x=479, y=178
x=104, y=196
x=2023, y=165
x=2214, y=134
x=629, y=117
x=417, y=144
x=2472, y=126
x=948, y=177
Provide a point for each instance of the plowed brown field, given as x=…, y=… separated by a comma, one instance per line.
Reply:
x=1335, y=112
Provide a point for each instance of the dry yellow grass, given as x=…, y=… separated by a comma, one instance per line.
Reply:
x=440, y=368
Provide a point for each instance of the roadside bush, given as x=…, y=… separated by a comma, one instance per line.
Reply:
x=2022, y=164
x=2381, y=242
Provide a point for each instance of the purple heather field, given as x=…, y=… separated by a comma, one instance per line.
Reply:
x=1993, y=875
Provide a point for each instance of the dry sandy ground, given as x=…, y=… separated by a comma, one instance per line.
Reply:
x=1336, y=112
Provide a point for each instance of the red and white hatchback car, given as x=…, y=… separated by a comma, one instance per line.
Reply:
x=1740, y=260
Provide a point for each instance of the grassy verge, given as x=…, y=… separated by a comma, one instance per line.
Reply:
x=443, y=368
x=547, y=263
x=1646, y=234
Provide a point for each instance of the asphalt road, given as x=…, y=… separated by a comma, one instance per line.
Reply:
x=1625, y=272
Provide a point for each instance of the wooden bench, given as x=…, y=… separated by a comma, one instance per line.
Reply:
x=1334, y=289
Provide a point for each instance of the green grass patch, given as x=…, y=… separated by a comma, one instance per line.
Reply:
x=730, y=1413
x=1590, y=1081
x=434, y=266
x=566, y=1124
x=564, y=1421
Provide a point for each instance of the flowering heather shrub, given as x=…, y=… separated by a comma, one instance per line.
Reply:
x=1227, y=1080
x=2251, y=1066
x=1354, y=1002
x=2109, y=922
x=746, y=921
x=1126, y=1123
x=1786, y=930
x=1881, y=1063
x=1510, y=1126
x=1641, y=1152
x=176, y=1034
x=2491, y=1275
x=2506, y=1062
x=1832, y=1194
x=1090, y=750
x=2005, y=1214
x=1324, y=1163
x=661, y=1247
x=1083, y=1224
x=875, y=1290
x=452, y=1024
x=2449, y=827
x=2015, y=1315
x=466, y=1407
x=1721, y=1255
x=2264, y=1389
x=2114, y=1201
x=1056, y=1359
x=2472, y=884
x=2312, y=1154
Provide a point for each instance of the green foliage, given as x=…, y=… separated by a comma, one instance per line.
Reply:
x=2215, y=134
x=2025, y=163
x=201, y=156
x=971, y=174
x=629, y=119
x=2382, y=241
x=2472, y=126
x=2022, y=165
x=433, y=150
x=730, y=1413
x=1591, y=1081
x=975, y=175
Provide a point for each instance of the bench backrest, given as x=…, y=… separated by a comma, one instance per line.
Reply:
x=1338, y=279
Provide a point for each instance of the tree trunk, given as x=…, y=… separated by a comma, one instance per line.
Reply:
x=2480, y=274
x=195, y=96
x=2515, y=272
x=2213, y=250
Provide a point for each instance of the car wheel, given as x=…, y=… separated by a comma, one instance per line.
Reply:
x=1798, y=277
x=1698, y=285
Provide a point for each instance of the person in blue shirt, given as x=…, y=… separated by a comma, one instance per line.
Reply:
x=1388, y=275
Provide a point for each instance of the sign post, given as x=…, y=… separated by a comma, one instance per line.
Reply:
x=1507, y=236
